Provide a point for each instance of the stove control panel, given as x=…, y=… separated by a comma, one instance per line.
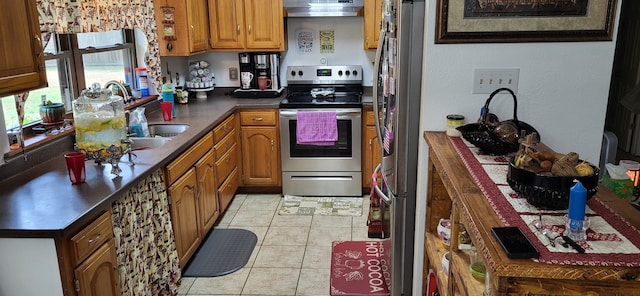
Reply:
x=324, y=74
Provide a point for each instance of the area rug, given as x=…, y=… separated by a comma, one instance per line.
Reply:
x=224, y=251
x=315, y=205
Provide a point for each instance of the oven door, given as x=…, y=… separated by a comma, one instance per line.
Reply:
x=322, y=170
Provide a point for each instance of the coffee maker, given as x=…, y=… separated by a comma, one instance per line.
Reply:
x=260, y=65
x=246, y=68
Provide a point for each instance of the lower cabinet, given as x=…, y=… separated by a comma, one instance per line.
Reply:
x=208, y=201
x=192, y=194
x=371, y=150
x=260, y=148
x=94, y=257
x=184, y=215
x=98, y=275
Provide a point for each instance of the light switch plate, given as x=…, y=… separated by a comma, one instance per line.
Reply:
x=485, y=81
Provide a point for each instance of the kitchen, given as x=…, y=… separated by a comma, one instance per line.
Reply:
x=584, y=66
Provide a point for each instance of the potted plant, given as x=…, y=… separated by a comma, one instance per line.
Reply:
x=52, y=113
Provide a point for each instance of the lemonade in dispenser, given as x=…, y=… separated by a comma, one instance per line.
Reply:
x=99, y=119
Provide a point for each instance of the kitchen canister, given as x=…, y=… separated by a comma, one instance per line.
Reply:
x=454, y=121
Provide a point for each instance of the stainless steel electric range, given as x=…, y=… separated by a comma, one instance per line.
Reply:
x=329, y=169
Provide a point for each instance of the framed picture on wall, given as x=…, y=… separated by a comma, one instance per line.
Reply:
x=462, y=21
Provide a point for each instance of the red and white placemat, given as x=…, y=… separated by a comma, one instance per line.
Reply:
x=611, y=241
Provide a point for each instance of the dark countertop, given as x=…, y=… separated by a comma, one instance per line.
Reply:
x=41, y=202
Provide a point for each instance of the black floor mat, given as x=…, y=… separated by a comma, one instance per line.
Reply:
x=223, y=252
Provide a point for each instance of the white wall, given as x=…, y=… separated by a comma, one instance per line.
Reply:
x=562, y=92
x=29, y=267
x=348, y=51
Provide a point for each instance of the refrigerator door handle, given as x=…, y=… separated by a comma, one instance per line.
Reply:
x=377, y=186
x=376, y=66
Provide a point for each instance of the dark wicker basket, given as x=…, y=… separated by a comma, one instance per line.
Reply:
x=482, y=134
x=546, y=191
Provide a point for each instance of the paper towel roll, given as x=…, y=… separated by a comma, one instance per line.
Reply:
x=4, y=138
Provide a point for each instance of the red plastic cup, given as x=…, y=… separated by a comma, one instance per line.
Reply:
x=75, y=166
x=167, y=108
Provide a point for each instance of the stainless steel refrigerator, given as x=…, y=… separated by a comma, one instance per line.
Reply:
x=396, y=96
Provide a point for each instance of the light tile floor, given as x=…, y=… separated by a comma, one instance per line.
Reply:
x=292, y=255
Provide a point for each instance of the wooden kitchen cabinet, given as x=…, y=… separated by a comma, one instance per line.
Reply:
x=248, y=25
x=371, y=151
x=24, y=70
x=190, y=27
x=88, y=260
x=184, y=215
x=98, y=275
x=226, y=161
x=207, y=190
x=372, y=23
x=192, y=192
x=260, y=148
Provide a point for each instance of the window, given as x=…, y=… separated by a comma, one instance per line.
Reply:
x=74, y=62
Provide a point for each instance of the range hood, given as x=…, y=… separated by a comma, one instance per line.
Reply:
x=316, y=8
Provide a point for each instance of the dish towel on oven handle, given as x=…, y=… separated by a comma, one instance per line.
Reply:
x=318, y=128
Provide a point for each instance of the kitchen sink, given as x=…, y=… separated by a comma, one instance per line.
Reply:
x=147, y=143
x=167, y=130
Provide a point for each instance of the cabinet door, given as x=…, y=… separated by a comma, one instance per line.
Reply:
x=371, y=154
x=98, y=275
x=22, y=59
x=260, y=155
x=372, y=23
x=264, y=24
x=198, y=25
x=226, y=23
x=208, y=199
x=184, y=215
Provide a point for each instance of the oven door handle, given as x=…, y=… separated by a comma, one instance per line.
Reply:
x=376, y=187
x=340, y=114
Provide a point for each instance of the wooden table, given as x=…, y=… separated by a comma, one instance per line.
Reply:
x=453, y=193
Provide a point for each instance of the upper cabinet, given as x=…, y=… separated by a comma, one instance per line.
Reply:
x=183, y=27
x=372, y=23
x=247, y=25
x=24, y=70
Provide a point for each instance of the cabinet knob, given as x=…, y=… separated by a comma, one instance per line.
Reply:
x=258, y=119
x=249, y=28
x=273, y=147
x=238, y=29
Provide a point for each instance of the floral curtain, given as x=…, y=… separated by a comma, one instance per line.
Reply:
x=145, y=246
x=73, y=16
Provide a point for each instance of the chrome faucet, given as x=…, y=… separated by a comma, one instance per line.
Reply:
x=126, y=95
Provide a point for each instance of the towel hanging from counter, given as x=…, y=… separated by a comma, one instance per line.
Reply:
x=318, y=128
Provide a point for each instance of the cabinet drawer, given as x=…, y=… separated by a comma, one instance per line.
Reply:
x=227, y=190
x=177, y=167
x=91, y=237
x=223, y=128
x=226, y=164
x=223, y=146
x=267, y=117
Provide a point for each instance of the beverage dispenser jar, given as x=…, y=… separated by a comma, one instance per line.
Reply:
x=101, y=126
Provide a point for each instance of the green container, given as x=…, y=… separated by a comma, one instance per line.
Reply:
x=52, y=114
x=622, y=188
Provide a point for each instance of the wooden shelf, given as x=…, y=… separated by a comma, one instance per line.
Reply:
x=452, y=191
